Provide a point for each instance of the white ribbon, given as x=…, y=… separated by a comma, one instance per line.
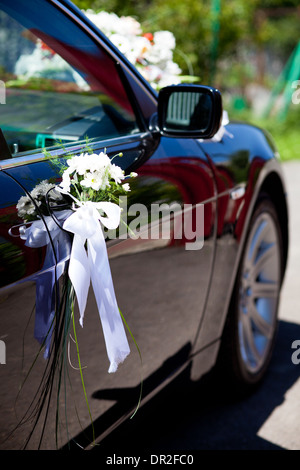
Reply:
x=92, y=266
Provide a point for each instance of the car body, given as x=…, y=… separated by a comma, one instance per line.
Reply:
x=180, y=296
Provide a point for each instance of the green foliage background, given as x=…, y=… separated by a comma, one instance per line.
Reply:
x=227, y=44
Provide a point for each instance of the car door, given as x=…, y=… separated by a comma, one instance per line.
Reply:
x=236, y=168
x=62, y=85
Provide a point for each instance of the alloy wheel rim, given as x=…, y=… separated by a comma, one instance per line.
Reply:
x=258, y=294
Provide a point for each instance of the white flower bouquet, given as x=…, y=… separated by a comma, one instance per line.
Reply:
x=151, y=54
x=86, y=199
x=93, y=177
x=75, y=211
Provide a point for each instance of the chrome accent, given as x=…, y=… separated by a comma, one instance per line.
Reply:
x=238, y=193
x=16, y=230
x=30, y=157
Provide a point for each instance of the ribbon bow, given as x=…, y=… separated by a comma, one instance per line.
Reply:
x=92, y=266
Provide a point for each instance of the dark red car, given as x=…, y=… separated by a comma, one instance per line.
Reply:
x=190, y=298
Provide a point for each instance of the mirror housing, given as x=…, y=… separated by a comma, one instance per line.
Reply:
x=191, y=111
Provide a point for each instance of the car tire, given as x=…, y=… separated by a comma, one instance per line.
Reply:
x=251, y=326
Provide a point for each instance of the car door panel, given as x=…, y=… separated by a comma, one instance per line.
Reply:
x=237, y=158
x=24, y=271
x=161, y=280
x=161, y=286
x=173, y=258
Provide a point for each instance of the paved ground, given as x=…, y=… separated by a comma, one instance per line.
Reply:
x=283, y=425
x=189, y=417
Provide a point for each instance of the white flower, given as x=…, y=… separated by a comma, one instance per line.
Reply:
x=110, y=23
x=43, y=189
x=165, y=40
x=25, y=206
x=107, y=22
x=91, y=171
x=154, y=59
x=151, y=73
x=85, y=162
x=122, y=43
x=142, y=46
x=126, y=187
x=95, y=180
x=129, y=26
x=116, y=173
x=66, y=181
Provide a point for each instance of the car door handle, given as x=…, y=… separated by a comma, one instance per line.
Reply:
x=237, y=193
x=15, y=230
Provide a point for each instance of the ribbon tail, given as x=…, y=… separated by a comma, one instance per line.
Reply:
x=45, y=301
x=79, y=273
x=113, y=329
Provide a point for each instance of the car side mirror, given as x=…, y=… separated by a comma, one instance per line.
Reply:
x=191, y=111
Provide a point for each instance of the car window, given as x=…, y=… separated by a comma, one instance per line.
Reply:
x=60, y=87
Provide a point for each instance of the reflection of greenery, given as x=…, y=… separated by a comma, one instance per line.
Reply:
x=12, y=263
x=256, y=24
x=148, y=190
x=34, y=83
x=239, y=165
x=5, y=75
x=45, y=84
x=285, y=133
x=151, y=190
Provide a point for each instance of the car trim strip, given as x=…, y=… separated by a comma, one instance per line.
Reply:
x=20, y=160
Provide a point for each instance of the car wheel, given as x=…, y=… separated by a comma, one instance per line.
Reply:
x=251, y=326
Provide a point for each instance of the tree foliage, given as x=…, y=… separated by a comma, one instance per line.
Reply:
x=204, y=37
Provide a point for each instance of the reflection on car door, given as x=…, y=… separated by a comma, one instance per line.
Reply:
x=161, y=281
x=161, y=286
x=27, y=302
